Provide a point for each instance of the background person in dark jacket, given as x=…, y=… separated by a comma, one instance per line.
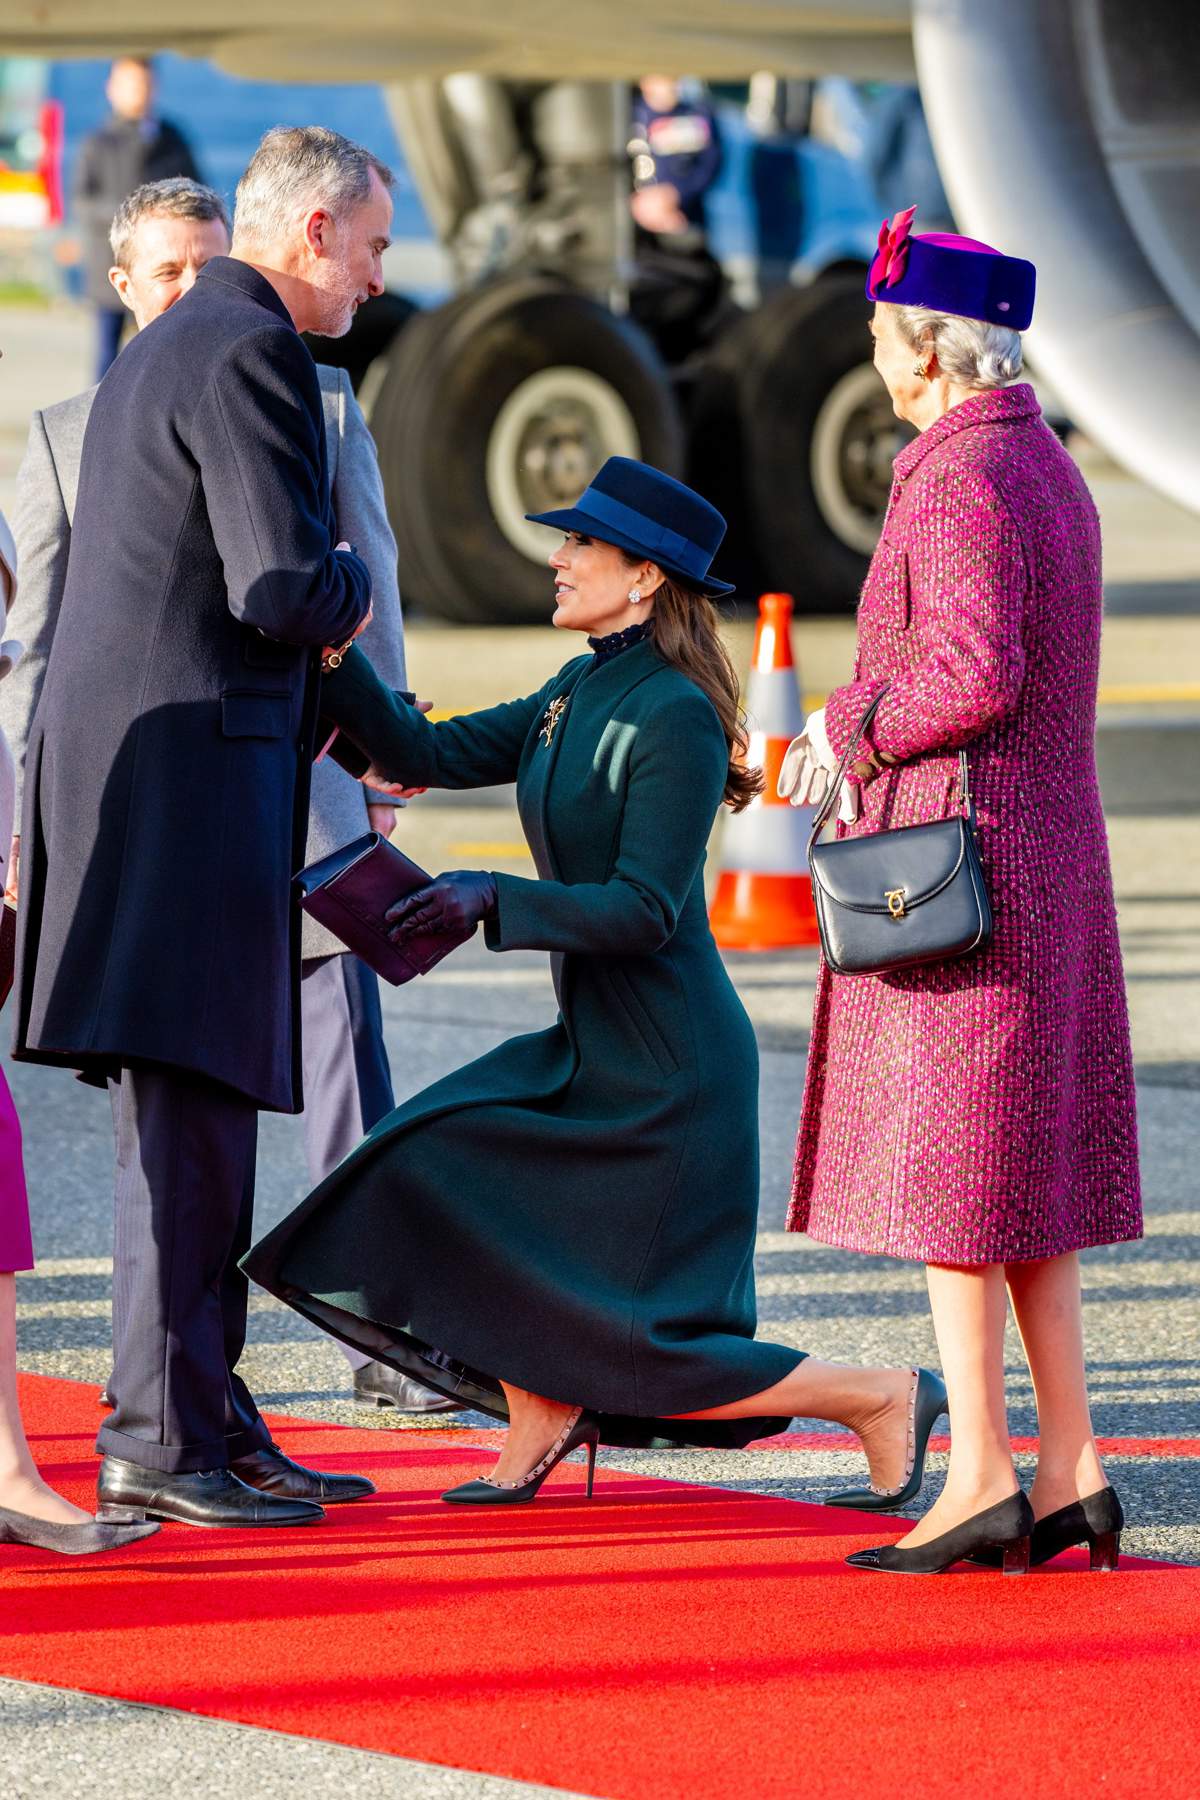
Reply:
x=131, y=148
x=676, y=157
x=158, y=948
x=675, y=149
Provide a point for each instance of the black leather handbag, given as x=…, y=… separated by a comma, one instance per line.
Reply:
x=897, y=899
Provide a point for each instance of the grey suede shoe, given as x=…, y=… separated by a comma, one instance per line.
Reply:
x=69, y=1540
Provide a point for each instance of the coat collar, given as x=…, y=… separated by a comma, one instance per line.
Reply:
x=998, y=406
x=230, y=272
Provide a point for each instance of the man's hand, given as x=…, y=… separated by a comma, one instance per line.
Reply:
x=381, y=818
x=14, y=858
x=456, y=901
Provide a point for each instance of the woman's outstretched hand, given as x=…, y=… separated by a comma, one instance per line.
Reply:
x=456, y=901
x=373, y=779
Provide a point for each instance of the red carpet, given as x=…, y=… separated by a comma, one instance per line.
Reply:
x=664, y=1642
x=1108, y=1446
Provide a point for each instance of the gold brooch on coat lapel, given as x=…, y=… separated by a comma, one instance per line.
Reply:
x=554, y=713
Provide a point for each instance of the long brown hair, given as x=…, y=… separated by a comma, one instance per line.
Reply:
x=686, y=635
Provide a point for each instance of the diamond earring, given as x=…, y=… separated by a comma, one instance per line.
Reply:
x=635, y=598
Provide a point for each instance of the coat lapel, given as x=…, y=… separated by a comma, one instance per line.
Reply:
x=549, y=730
x=589, y=708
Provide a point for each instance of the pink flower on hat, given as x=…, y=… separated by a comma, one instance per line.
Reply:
x=891, y=257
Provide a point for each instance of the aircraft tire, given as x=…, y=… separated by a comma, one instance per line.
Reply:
x=501, y=402
x=820, y=435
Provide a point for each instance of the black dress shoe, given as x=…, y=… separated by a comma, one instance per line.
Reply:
x=127, y=1492
x=1005, y=1528
x=378, y=1384
x=271, y=1472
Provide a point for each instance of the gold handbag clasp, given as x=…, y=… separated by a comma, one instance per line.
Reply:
x=895, y=900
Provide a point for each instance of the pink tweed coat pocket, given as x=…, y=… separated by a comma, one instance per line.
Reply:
x=983, y=1110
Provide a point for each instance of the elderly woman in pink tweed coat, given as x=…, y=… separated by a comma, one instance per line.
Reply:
x=978, y=1115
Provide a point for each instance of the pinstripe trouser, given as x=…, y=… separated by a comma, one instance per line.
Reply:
x=347, y=1080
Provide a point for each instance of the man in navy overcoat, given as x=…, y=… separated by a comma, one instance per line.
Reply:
x=166, y=801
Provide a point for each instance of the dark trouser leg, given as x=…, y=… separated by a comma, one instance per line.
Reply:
x=185, y=1184
x=347, y=1081
x=241, y=1414
x=109, y=325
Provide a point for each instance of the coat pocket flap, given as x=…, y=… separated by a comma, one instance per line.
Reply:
x=268, y=653
x=921, y=861
x=255, y=715
x=887, y=596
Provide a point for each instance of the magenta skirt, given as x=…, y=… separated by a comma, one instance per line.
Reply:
x=16, y=1245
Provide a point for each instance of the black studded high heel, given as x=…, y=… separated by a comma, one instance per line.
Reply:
x=1005, y=1528
x=581, y=1428
x=1097, y=1521
x=927, y=1403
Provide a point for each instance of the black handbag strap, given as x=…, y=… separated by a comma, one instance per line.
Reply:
x=825, y=810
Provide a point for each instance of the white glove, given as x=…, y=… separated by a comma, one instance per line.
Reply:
x=809, y=766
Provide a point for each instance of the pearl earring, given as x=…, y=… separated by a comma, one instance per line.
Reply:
x=635, y=598
x=921, y=370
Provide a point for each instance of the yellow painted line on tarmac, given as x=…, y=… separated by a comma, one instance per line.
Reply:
x=1113, y=693
x=487, y=847
x=1142, y=693
x=1119, y=693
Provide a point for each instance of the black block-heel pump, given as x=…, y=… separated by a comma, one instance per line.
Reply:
x=1004, y=1529
x=1097, y=1521
x=581, y=1428
x=927, y=1403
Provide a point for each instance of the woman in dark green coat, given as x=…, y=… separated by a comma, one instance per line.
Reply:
x=568, y=1223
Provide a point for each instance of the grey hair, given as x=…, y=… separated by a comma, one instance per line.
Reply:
x=970, y=351
x=176, y=198
x=297, y=166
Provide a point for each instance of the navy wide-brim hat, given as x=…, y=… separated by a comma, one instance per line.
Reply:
x=950, y=274
x=649, y=514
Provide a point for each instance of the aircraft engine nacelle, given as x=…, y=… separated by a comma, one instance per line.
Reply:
x=1071, y=129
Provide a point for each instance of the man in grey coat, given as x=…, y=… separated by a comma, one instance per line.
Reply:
x=162, y=235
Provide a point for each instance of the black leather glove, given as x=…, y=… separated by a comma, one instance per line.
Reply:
x=456, y=901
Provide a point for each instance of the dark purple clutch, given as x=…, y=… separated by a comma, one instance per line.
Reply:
x=350, y=890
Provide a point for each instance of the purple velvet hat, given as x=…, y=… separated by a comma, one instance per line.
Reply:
x=950, y=274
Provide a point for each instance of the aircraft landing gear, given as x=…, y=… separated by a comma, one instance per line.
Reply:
x=502, y=402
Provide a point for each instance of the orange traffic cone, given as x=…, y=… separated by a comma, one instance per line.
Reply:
x=764, y=894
